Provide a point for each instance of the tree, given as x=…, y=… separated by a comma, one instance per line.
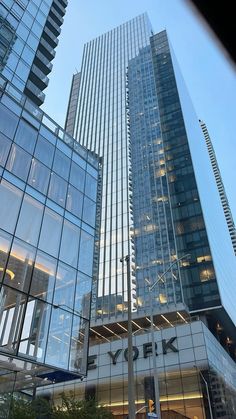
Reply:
x=41, y=408
x=21, y=408
x=70, y=408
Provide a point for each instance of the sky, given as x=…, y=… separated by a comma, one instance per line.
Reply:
x=209, y=75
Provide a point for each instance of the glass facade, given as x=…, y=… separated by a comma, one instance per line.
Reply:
x=101, y=125
x=133, y=109
x=28, y=36
x=48, y=220
x=153, y=230
x=199, y=220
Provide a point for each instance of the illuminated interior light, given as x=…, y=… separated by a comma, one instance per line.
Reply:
x=184, y=263
x=109, y=330
x=173, y=398
x=153, y=323
x=180, y=315
x=122, y=327
x=162, y=298
x=139, y=302
x=167, y=320
x=10, y=273
x=121, y=307
x=206, y=258
x=99, y=334
x=136, y=325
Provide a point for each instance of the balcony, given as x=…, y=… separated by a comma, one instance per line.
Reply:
x=34, y=93
x=64, y=2
x=46, y=49
x=38, y=77
x=58, y=6
x=42, y=62
x=50, y=37
x=52, y=25
x=56, y=16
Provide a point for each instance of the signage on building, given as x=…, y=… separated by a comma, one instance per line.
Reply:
x=145, y=352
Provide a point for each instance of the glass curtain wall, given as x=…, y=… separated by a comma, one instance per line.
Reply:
x=48, y=194
x=101, y=126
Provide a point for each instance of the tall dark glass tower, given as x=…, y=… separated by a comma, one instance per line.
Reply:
x=160, y=201
x=28, y=37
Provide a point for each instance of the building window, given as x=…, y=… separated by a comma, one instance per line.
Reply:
x=10, y=198
x=29, y=222
x=19, y=162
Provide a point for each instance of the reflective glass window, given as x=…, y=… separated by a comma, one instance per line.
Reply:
x=57, y=189
x=70, y=243
x=39, y=176
x=65, y=285
x=18, y=162
x=92, y=171
x=91, y=187
x=32, y=41
x=29, y=221
x=5, y=243
x=35, y=329
x=43, y=279
x=22, y=70
x=89, y=211
x=77, y=176
x=50, y=232
x=26, y=136
x=78, y=351
x=64, y=148
x=44, y=151
x=86, y=253
x=74, y=201
x=83, y=293
x=5, y=145
x=20, y=266
x=8, y=122
x=57, y=352
x=12, y=306
x=77, y=159
x=61, y=164
x=10, y=198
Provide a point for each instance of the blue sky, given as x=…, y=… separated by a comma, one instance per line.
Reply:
x=210, y=77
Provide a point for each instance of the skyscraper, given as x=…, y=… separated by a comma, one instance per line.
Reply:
x=220, y=185
x=28, y=37
x=160, y=206
x=48, y=191
x=134, y=111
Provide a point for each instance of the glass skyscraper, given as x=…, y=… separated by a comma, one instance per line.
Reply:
x=160, y=201
x=101, y=125
x=49, y=190
x=29, y=33
x=160, y=206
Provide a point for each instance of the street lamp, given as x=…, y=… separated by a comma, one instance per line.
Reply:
x=155, y=373
x=131, y=395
